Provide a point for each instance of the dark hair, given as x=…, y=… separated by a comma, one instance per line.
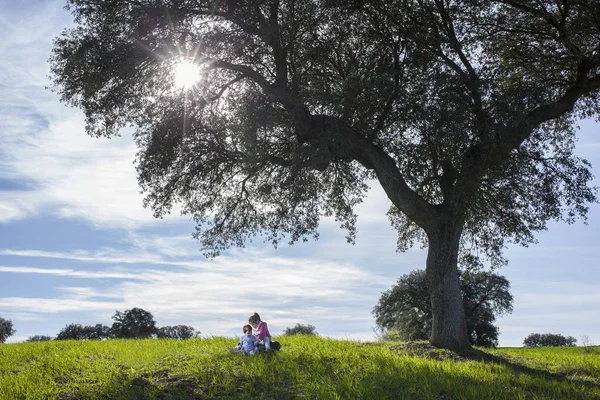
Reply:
x=247, y=328
x=254, y=319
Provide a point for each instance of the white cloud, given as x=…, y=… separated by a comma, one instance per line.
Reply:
x=217, y=296
x=546, y=306
x=575, y=322
x=44, y=143
x=108, y=274
x=41, y=305
x=79, y=177
x=18, y=204
x=180, y=246
x=107, y=255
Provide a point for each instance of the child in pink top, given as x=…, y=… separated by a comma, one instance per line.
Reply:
x=261, y=331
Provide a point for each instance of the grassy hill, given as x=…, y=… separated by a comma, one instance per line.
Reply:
x=306, y=368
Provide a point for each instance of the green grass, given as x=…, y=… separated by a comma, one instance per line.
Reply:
x=306, y=368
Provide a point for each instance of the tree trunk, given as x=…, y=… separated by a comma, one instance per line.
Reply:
x=449, y=326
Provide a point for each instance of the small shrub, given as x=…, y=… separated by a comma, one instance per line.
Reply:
x=177, y=332
x=548, y=340
x=300, y=329
x=587, y=343
x=39, y=338
x=80, y=332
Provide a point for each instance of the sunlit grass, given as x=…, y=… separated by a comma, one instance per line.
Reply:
x=306, y=367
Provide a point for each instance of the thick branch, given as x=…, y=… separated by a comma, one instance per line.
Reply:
x=278, y=51
x=484, y=157
x=564, y=104
x=346, y=143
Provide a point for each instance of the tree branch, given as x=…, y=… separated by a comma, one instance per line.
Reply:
x=566, y=102
x=563, y=35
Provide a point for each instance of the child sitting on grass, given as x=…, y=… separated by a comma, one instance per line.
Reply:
x=246, y=343
x=263, y=337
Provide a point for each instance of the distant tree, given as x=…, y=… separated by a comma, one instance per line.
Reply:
x=176, y=332
x=405, y=309
x=71, y=332
x=39, y=338
x=97, y=331
x=300, y=329
x=6, y=329
x=135, y=323
x=548, y=340
x=81, y=332
x=485, y=296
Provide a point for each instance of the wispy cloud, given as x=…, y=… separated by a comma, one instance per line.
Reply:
x=41, y=305
x=70, y=273
x=219, y=293
x=545, y=306
x=44, y=142
x=18, y=204
x=108, y=255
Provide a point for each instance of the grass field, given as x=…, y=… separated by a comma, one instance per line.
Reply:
x=305, y=368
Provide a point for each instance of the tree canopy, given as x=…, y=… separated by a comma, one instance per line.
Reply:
x=463, y=111
x=300, y=329
x=135, y=323
x=84, y=332
x=6, y=329
x=176, y=332
x=548, y=340
x=39, y=338
x=405, y=309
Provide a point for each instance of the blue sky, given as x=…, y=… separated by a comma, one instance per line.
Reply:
x=76, y=243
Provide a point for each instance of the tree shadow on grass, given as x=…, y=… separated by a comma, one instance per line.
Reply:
x=566, y=384
x=507, y=361
x=424, y=349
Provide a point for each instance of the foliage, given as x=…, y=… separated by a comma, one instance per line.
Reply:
x=176, y=332
x=310, y=367
x=300, y=329
x=81, y=332
x=135, y=323
x=405, y=309
x=463, y=111
x=548, y=340
x=6, y=329
x=39, y=338
x=71, y=332
x=97, y=331
x=268, y=113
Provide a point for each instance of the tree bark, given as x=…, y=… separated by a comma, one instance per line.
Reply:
x=449, y=325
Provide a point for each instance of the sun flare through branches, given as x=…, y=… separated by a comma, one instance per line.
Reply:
x=186, y=74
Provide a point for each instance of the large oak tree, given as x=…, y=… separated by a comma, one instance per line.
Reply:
x=463, y=111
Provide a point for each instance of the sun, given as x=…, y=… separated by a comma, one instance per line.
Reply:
x=186, y=74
